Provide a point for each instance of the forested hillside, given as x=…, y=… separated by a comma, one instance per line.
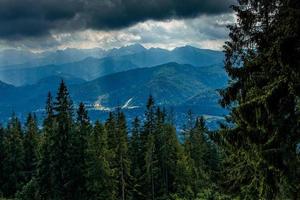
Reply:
x=70, y=158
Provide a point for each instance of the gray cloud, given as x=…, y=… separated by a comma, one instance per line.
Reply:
x=32, y=18
x=205, y=31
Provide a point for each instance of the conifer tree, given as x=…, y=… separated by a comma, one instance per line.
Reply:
x=149, y=124
x=44, y=169
x=99, y=175
x=136, y=158
x=150, y=168
x=78, y=150
x=148, y=150
x=118, y=147
x=176, y=172
x=122, y=160
x=170, y=154
x=30, y=144
x=262, y=60
x=161, y=153
x=13, y=163
x=110, y=126
x=188, y=126
x=200, y=155
x=61, y=142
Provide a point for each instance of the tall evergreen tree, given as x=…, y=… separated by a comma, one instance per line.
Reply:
x=161, y=153
x=99, y=175
x=118, y=147
x=171, y=157
x=136, y=158
x=200, y=151
x=44, y=170
x=150, y=168
x=110, y=126
x=148, y=149
x=78, y=150
x=176, y=171
x=122, y=160
x=13, y=163
x=30, y=144
x=61, y=146
x=149, y=124
x=188, y=126
x=262, y=60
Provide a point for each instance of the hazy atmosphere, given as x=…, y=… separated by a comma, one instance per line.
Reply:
x=149, y=100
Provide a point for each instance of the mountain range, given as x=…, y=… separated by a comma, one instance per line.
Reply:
x=116, y=60
x=186, y=77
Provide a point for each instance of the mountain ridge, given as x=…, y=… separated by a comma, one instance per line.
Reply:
x=171, y=84
x=91, y=68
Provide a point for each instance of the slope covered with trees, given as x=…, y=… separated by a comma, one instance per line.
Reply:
x=71, y=158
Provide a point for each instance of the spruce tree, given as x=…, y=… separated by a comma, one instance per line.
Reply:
x=13, y=163
x=110, y=126
x=61, y=146
x=30, y=144
x=44, y=176
x=176, y=171
x=170, y=155
x=262, y=60
x=78, y=150
x=136, y=158
x=122, y=160
x=149, y=124
x=160, y=152
x=188, y=126
x=149, y=164
x=118, y=147
x=200, y=153
x=99, y=175
x=150, y=169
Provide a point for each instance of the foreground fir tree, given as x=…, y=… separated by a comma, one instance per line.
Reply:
x=44, y=170
x=262, y=60
x=61, y=157
x=13, y=162
x=149, y=165
x=122, y=160
x=30, y=148
x=79, y=145
x=136, y=158
x=99, y=175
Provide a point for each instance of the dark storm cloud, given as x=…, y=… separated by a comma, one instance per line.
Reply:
x=23, y=18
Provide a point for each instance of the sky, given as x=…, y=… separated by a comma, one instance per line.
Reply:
x=40, y=25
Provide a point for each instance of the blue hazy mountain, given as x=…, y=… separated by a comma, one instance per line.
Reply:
x=115, y=60
x=18, y=59
x=172, y=85
x=15, y=57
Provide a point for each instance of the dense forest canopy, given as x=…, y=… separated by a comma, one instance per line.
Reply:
x=71, y=158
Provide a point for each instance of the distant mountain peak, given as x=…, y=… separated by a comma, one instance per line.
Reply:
x=127, y=50
x=136, y=47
